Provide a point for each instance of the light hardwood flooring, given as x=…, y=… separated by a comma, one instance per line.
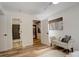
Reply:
x=28, y=51
x=36, y=42
x=33, y=51
x=17, y=44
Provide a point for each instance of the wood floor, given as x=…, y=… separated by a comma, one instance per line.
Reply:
x=37, y=49
x=28, y=51
x=33, y=51
x=36, y=42
x=17, y=44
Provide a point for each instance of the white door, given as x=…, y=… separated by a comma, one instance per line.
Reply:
x=5, y=43
x=44, y=32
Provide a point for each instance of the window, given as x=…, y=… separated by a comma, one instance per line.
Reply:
x=56, y=24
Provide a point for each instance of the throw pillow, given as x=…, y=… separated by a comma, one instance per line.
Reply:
x=66, y=39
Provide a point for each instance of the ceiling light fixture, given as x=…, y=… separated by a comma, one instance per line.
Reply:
x=55, y=2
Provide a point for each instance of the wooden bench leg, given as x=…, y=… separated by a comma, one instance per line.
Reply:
x=67, y=51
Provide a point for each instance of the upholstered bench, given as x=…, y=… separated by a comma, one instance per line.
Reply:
x=65, y=45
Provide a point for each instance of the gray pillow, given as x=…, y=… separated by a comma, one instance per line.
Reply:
x=66, y=39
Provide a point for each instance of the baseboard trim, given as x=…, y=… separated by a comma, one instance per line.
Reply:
x=6, y=50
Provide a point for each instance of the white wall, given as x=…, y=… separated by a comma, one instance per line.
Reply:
x=5, y=41
x=16, y=21
x=26, y=27
x=9, y=34
x=3, y=30
x=70, y=23
x=6, y=24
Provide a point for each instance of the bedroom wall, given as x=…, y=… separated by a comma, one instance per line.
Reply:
x=70, y=23
x=6, y=42
x=16, y=21
x=25, y=24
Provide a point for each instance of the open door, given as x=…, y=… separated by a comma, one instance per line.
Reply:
x=44, y=32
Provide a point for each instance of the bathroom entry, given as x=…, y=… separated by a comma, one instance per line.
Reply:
x=36, y=33
x=17, y=43
x=16, y=31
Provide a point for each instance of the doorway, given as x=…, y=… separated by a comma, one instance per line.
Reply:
x=17, y=43
x=15, y=31
x=36, y=33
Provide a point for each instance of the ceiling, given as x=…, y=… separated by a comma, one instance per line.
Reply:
x=39, y=9
x=32, y=8
x=54, y=8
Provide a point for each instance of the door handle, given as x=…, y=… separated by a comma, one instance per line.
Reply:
x=46, y=33
x=5, y=34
